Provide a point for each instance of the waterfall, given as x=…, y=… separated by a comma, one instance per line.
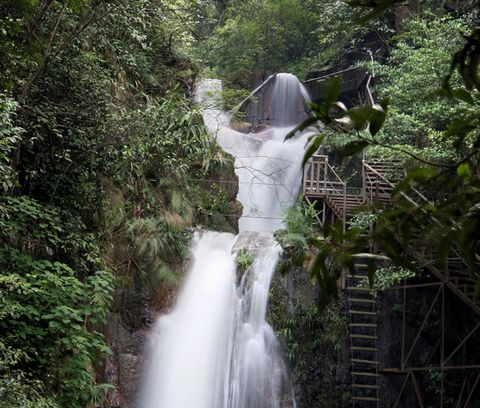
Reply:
x=289, y=98
x=191, y=346
x=216, y=349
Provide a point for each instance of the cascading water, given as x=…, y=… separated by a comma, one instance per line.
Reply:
x=289, y=98
x=215, y=349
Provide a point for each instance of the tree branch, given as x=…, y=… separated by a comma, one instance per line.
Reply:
x=413, y=155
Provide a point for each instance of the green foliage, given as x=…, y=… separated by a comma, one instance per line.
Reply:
x=166, y=136
x=48, y=315
x=266, y=36
x=158, y=245
x=363, y=221
x=253, y=35
x=311, y=340
x=93, y=99
x=255, y=38
x=231, y=97
x=301, y=224
x=214, y=205
x=444, y=211
x=10, y=135
x=408, y=76
x=244, y=259
x=374, y=8
x=17, y=391
x=387, y=277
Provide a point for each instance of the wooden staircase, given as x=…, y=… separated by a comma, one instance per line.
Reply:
x=362, y=312
x=379, y=179
x=352, y=203
x=454, y=273
x=320, y=181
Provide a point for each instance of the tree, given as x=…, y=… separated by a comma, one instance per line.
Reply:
x=94, y=98
x=450, y=217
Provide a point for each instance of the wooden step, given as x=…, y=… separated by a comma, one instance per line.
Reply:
x=362, y=312
x=359, y=289
x=348, y=197
x=360, y=266
x=361, y=300
x=358, y=348
x=362, y=361
x=365, y=374
x=384, y=165
x=366, y=325
x=376, y=183
x=363, y=336
x=372, y=399
x=381, y=189
x=368, y=386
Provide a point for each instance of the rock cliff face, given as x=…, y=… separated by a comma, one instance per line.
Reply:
x=314, y=342
x=259, y=110
x=127, y=334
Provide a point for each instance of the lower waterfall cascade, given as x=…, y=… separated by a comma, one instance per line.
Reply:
x=215, y=348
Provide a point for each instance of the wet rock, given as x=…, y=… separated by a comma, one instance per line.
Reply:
x=253, y=242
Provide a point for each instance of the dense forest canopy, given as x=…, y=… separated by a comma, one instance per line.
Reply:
x=101, y=147
x=94, y=105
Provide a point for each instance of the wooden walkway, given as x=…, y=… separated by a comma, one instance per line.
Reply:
x=336, y=201
x=352, y=80
x=322, y=183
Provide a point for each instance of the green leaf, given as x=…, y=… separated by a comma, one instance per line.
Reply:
x=353, y=147
x=464, y=171
x=333, y=91
x=359, y=116
x=302, y=126
x=464, y=95
x=377, y=117
x=312, y=148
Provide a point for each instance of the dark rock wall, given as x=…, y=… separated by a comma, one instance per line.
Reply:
x=316, y=345
x=259, y=111
x=314, y=342
x=427, y=350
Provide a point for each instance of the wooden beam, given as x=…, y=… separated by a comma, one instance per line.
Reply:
x=402, y=388
x=429, y=368
x=467, y=402
x=423, y=325
x=465, y=339
x=417, y=390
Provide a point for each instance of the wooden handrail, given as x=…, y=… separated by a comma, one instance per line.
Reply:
x=323, y=180
x=412, y=201
x=332, y=75
x=239, y=106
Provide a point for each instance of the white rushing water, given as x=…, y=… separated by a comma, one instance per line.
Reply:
x=215, y=349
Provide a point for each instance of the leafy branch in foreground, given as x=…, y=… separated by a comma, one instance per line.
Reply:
x=445, y=213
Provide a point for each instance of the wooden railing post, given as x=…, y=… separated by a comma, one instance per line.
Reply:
x=344, y=209
x=364, y=182
x=325, y=175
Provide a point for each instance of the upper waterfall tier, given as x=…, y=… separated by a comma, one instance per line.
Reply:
x=268, y=167
x=288, y=103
